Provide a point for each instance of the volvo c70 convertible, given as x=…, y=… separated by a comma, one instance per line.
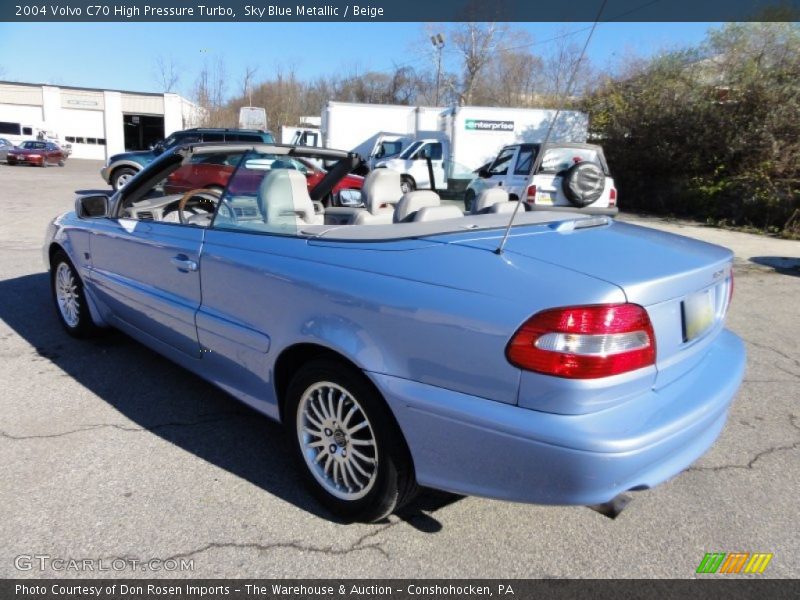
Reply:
x=398, y=344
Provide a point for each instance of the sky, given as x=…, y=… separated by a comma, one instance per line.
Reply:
x=123, y=55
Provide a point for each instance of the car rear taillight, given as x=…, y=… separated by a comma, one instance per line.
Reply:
x=612, y=197
x=585, y=342
x=531, y=193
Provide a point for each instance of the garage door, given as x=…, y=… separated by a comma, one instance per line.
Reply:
x=84, y=129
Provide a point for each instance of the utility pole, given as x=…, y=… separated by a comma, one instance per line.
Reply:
x=438, y=42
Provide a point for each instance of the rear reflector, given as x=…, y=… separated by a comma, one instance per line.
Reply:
x=585, y=342
x=612, y=197
x=730, y=292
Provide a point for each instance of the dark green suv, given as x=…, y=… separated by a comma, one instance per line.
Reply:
x=120, y=168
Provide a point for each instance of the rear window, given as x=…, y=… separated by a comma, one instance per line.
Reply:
x=556, y=160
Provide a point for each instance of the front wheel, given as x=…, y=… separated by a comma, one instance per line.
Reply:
x=350, y=450
x=69, y=298
x=121, y=177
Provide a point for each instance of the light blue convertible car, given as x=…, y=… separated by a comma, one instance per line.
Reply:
x=396, y=344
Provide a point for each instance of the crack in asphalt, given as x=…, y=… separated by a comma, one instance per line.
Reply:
x=776, y=351
x=793, y=421
x=214, y=418
x=357, y=546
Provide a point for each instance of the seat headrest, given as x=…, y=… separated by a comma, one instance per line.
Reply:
x=505, y=208
x=412, y=202
x=437, y=213
x=283, y=198
x=488, y=198
x=381, y=188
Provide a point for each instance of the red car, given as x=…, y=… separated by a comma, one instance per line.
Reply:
x=40, y=154
x=213, y=171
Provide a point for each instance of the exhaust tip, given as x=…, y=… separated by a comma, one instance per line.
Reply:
x=614, y=507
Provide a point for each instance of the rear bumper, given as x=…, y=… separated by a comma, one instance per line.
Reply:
x=475, y=446
x=609, y=211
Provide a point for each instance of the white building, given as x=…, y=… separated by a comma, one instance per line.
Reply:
x=98, y=123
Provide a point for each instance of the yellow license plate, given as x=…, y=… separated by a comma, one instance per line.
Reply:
x=544, y=198
x=698, y=314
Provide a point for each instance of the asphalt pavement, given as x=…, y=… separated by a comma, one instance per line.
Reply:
x=108, y=451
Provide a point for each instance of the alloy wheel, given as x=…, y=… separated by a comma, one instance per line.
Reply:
x=337, y=441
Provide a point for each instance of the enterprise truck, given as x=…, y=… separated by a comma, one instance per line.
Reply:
x=375, y=131
x=468, y=137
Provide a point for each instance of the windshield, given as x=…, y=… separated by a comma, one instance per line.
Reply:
x=410, y=150
x=33, y=145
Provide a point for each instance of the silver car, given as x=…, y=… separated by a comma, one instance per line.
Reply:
x=5, y=146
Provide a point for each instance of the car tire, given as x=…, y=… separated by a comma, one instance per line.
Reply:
x=350, y=450
x=121, y=176
x=469, y=199
x=69, y=297
x=61, y=163
x=407, y=184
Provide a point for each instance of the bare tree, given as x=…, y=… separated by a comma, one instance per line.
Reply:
x=559, y=66
x=476, y=44
x=166, y=73
x=247, y=82
x=209, y=92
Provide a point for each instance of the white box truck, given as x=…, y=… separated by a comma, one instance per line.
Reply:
x=375, y=131
x=468, y=137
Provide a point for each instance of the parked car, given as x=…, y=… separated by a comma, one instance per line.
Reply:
x=5, y=146
x=214, y=170
x=413, y=353
x=572, y=177
x=40, y=154
x=121, y=168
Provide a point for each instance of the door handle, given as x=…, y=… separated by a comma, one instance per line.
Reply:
x=183, y=263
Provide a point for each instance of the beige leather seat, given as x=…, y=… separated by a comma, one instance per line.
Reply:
x=412, y=202
x=381, y=193
x=492, y=201
x=284, y=201
x=437, y=213
x=487, y=199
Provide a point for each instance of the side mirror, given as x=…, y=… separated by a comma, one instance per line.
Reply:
x=88, y=207
x=484, y=173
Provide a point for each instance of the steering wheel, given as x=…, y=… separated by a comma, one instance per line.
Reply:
x=207, y=200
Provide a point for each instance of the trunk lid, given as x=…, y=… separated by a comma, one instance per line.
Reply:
x=683, y=283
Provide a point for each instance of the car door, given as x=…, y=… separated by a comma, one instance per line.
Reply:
x=518, y=174
x=249, y=280
x=419, y=170
x=498, y=170
x=146, y=270
x=53, y=153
